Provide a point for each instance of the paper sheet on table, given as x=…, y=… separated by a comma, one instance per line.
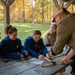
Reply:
x=36, y=61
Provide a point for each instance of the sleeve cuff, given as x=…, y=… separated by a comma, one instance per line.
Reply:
x=37, y=55
x=52, y=52
x=23, y=51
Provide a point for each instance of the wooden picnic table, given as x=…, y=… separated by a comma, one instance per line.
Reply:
x=17, y=67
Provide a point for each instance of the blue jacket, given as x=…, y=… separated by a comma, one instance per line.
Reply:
x=11, y=46
x=33, y=48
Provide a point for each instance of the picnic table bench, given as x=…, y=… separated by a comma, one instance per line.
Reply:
x=17, y=67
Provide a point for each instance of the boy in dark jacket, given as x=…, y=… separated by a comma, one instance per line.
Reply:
x=35, y=46
x=11, y=46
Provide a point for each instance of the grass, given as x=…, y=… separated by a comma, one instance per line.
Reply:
x=25, y=29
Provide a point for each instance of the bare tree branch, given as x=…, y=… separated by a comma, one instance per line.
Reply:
x=68, y=4
x=11, y=2
x=61, y=3
x=7, y=2
x=2, y=2
x=56, y=4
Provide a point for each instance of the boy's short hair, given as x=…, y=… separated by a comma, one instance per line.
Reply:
x=37, y=32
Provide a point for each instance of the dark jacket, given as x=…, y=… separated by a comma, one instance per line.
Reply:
x=34, y=48
x=8, y=46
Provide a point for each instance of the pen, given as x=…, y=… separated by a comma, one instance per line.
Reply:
x=48, y=59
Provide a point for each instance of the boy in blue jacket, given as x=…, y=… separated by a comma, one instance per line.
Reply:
x=35, y=46
x=11, y=46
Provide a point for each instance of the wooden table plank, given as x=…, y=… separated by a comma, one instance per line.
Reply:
x=39, y=70
x=3, y=64
x=16, y=68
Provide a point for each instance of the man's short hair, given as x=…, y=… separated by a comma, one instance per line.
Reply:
x=37, y=32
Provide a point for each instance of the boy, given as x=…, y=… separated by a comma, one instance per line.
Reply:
x=50, y=36
x=11, y=46
x=35, y=46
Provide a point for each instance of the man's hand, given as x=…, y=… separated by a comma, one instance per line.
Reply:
x=50, y=55
x=41, y=57
x=65, y=61
x=68, y=57
x=26, y=53
x=47, y=56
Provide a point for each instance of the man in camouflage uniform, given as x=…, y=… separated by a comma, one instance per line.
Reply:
x=65, y=34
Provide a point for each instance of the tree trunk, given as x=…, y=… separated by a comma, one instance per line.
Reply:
x=23, y=11
x=6, y=16
x=47, y=11
x=42, y=11
x=50, y=11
